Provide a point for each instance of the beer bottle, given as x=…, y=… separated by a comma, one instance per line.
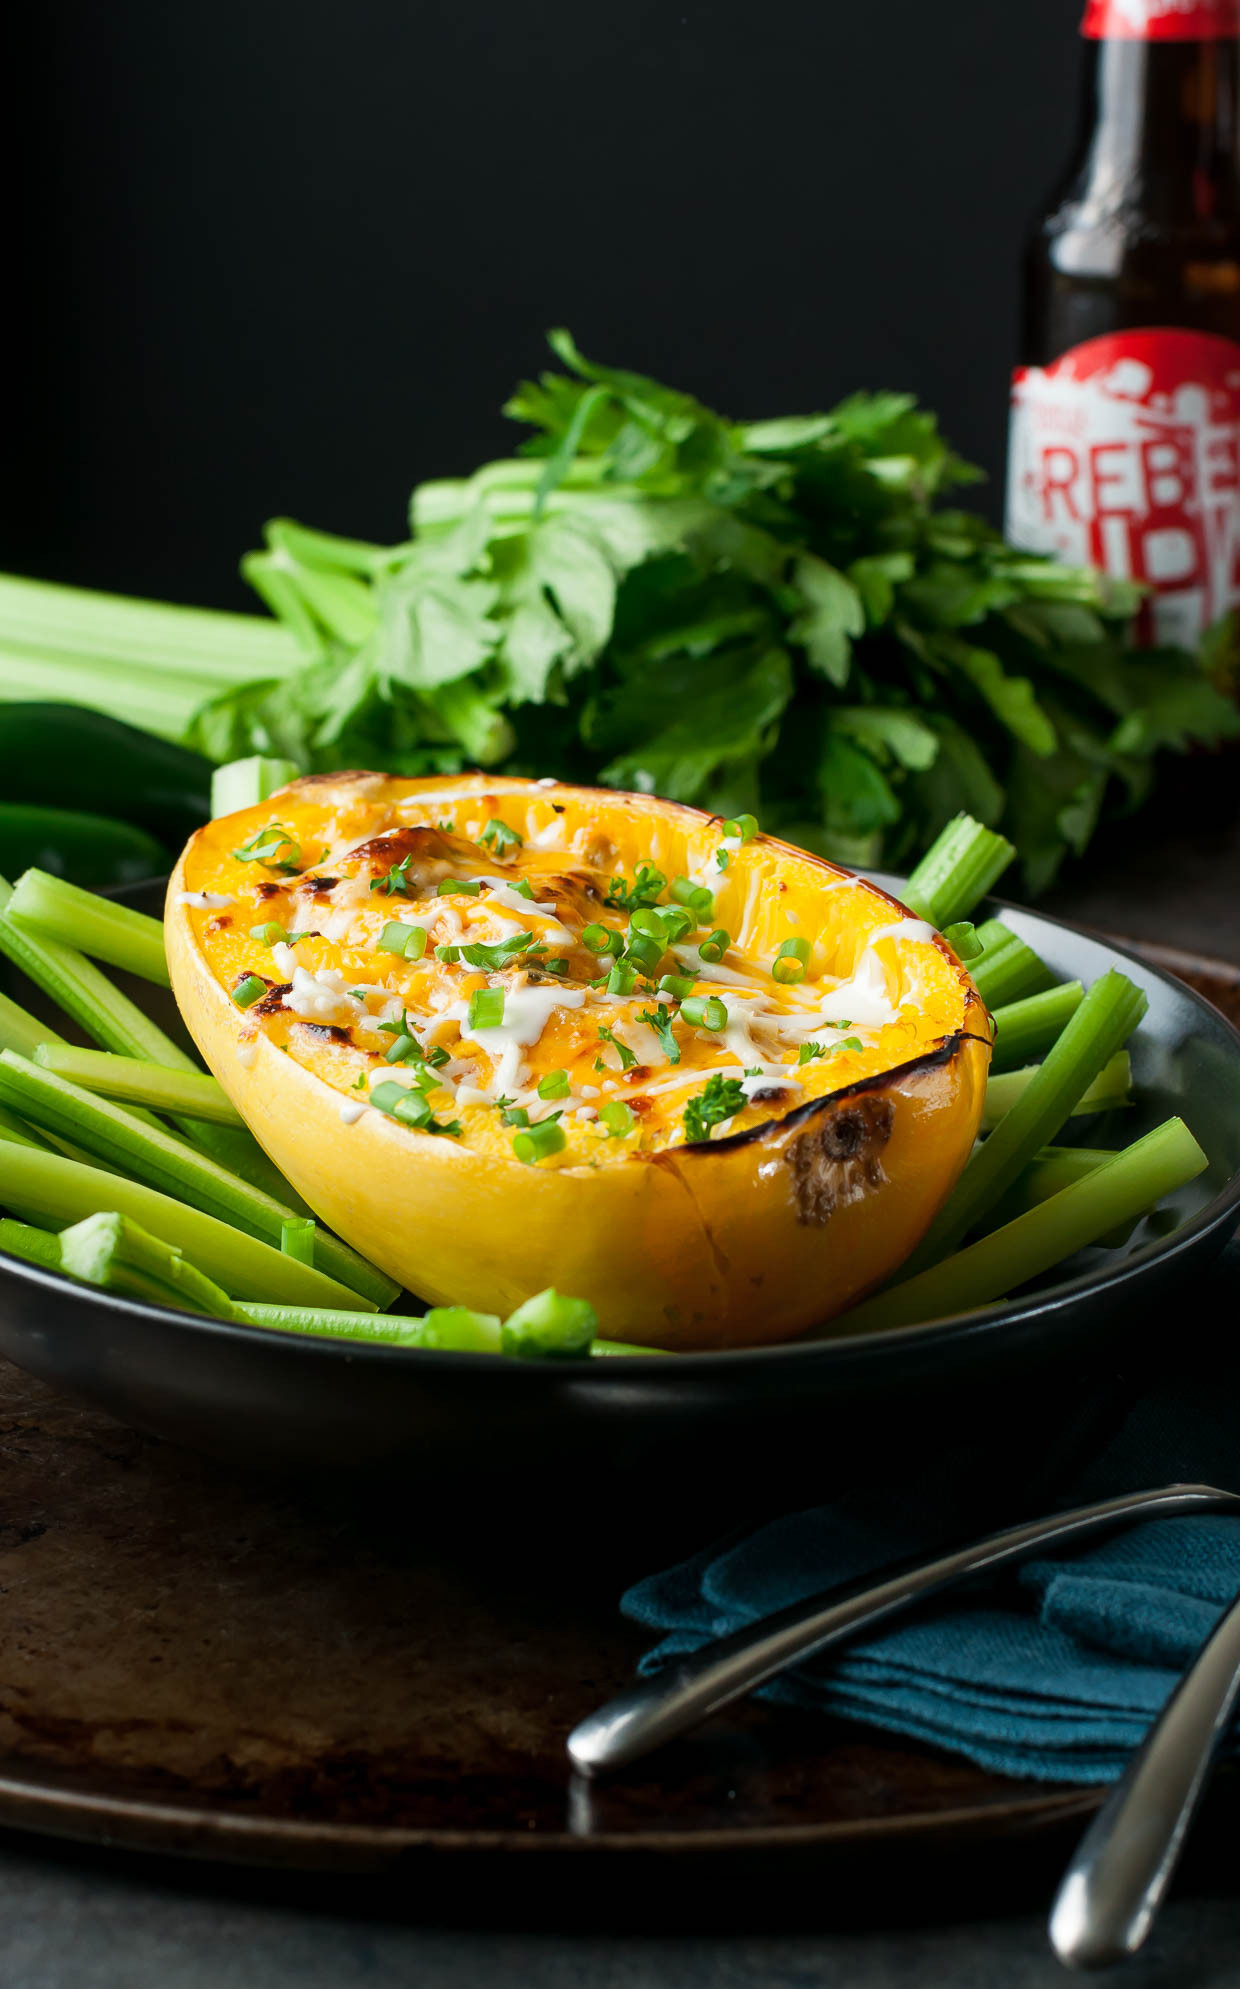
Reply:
x=1123, y=450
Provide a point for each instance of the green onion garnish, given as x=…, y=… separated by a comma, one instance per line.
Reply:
x=497, y=836
x=271, y=934
x=715, y=945
x=740, y=828
x=597, y=939
x=403, y=1048
x=699, y=900
x=264, y=848
x=678, y=985
x=963, y=940
x=448, y=954
x=549, y=1327
x=554, y=1085
x=486, y=1008
x=621, y=979
x=627, y=1059
x=536, y=1142
x=458, y=887
x=705, y=1012
x=790, y=962
x=618, y=1119
x=643, y=951
x=248, y=991
x=412, y=1108
x=407, y=940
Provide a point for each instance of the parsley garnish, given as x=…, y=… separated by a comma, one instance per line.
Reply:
x=512, y=1114
x=808, y=1051
x=395, y=879
x=498, y=836
x=627, y=1059
x=644, y=890
x=661, y=1022
x=722, y=1099
x=522, y=945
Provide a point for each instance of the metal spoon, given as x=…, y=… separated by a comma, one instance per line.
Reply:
x=1118, y=1878
x=655, y=1711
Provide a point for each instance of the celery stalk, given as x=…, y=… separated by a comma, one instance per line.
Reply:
x=52, y=908
x=1105, y=1019
x=297, y=1238
x=244, y=783
x=191, y=1094
x=1008, y=969
x=21, y=1031
x=37, y=1246
x=46, y=1189
x=1131, y=1182
x=957, y=871
x=116, y=1253
x=110, y=1133
x=1026, y=1029
x=15, y=1129
x=1110, y=1091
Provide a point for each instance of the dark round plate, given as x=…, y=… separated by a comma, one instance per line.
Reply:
x=706, y=1430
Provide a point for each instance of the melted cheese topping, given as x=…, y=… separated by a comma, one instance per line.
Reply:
x=879, y=987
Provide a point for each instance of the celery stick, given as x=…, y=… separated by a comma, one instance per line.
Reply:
x=265, y=572
x=608, y=1349
x=384, y=1329
x=1008, y=969
x=54, y=909
x=192, y=1094
x=244, y=783
x=51, y=1191
x=15, y=1129
x=297, y=1238
x=1110, y=1091
x=37, y=1246
x=115, y=1022
x=1054, y=1168
x=1026, y=1029
x=113, y=1135
x=1105, y=1019
x=1130, y=1183
x=311, y=547
x=116, y=1253
x=22, y=1031
x=957, y=871
x=116, y=628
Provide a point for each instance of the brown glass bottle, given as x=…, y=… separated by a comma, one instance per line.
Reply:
x=1126, y=415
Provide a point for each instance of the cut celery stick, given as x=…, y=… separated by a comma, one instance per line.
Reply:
x=957, y=871
x=297, y=1237
x=1110, y=1091
x=1026, y=1029
x=1130, y=1183
x=51, y=1191
x=117, y=1024
x=37, y=1246
x=190, y=1094
x=1105, y=1019
x=460, y=1330
x=149, y=1154
x=13, y=1128
x=1054, y=1168
x=1008, y=969
x=244, y=783
x=55, y=909
x=608, y=1349
x=22, y=1031
x=116, y=1253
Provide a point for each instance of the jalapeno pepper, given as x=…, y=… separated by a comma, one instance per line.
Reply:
x=65, y=755
x=87, y=849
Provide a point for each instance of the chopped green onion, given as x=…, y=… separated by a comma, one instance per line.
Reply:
x=58, y=910
x=448, y=954
x=715, y=945
x=264, y=847
x=403, y=1047
x=741, y=828
x=458, y=887
x=550, y=1327
x=963, y=940
x=704, y=1012
x=1025, y=1030
x=621, y=979
x=677, y=985
x=617, y=1118
x=1110, y=1091
x=643, y=951
x=248, y=783
x=537, y=1142
x=957, y=871
x=661, y=1022
x=271, y=934
x=1131, y=1182
x=412, y=1107
x=409, y=941
x=1105, y=1020
x=597, y=939
x=498, y=836
x=249, y=990
x=486, y=1008
x=622, y=1050
x=195, y=1094
x=554, y=1085
x=790, y=962
x=512, y=1115
x=696, y=897
x=297, y=1238
x=1008, y=970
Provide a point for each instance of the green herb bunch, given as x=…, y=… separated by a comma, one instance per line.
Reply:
x=777, y=616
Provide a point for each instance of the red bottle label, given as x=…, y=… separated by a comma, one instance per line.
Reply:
x=1161, y=20
x=1125, y=454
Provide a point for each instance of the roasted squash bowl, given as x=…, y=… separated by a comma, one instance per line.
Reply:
x=501, y=1034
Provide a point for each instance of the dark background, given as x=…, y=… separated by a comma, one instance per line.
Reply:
x=288, y=256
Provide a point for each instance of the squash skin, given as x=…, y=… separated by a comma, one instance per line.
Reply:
x=743, y=1241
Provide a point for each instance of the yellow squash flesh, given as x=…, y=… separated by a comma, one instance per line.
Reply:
x=800, y=1202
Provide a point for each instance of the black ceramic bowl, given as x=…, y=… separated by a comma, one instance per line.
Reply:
x=708, y=1428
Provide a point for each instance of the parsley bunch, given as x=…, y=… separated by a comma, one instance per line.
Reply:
x=772, y=616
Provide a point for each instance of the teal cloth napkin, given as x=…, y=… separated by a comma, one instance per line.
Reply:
x=1055, y=1672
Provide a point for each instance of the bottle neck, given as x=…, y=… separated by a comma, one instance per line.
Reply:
x=1163, y=126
